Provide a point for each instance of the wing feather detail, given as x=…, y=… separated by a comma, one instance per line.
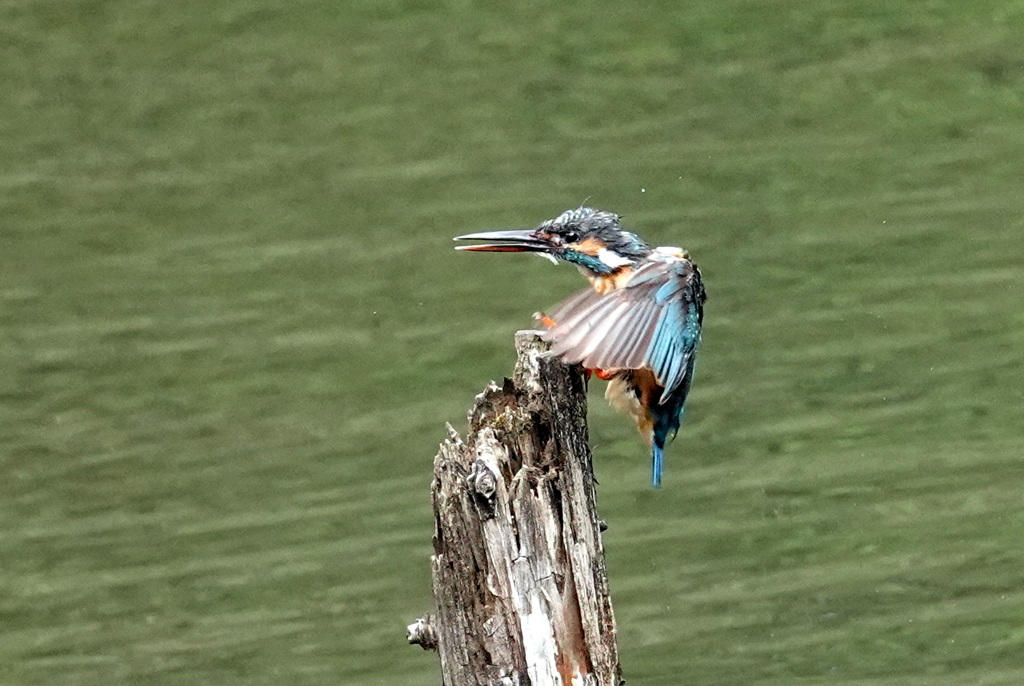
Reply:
x=652, y=322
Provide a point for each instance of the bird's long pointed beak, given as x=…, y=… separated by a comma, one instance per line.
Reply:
x=521, y=240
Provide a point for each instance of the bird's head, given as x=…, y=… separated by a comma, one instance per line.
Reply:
x=591, y=239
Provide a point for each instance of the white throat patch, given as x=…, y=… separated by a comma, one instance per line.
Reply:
x=612, y=259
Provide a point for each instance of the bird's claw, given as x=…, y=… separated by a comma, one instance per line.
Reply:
x=544, y=319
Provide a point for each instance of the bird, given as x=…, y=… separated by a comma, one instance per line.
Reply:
x=637, y=325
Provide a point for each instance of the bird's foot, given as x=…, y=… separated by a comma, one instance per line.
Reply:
x=544, y=319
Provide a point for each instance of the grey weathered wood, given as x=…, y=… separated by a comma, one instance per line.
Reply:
x=520, y=584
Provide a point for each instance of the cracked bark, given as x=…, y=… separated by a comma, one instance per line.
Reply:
x=520, y=585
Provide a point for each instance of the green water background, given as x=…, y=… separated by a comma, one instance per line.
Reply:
x=232, y=327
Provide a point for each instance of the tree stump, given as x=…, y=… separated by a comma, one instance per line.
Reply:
x=519, y=577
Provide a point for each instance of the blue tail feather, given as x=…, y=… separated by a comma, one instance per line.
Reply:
x=668, y=415
x=657, y=462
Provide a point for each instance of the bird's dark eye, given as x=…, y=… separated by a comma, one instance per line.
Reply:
x=570, y=236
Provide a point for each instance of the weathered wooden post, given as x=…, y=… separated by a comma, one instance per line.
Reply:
x=520, y=584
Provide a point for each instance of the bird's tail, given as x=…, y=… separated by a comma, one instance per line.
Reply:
x=657, y=461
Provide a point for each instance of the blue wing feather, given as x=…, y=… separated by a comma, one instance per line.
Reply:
x=678, y=328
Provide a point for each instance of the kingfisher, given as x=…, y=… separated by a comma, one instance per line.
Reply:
x=637, y=326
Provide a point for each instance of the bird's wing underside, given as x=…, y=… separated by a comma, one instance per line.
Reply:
x=652, y=322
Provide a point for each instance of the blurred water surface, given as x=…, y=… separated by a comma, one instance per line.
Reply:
x=233, y=327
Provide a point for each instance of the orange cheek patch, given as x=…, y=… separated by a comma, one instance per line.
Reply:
x=588, y=246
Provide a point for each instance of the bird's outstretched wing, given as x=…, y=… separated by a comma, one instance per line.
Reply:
x=652, y=322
